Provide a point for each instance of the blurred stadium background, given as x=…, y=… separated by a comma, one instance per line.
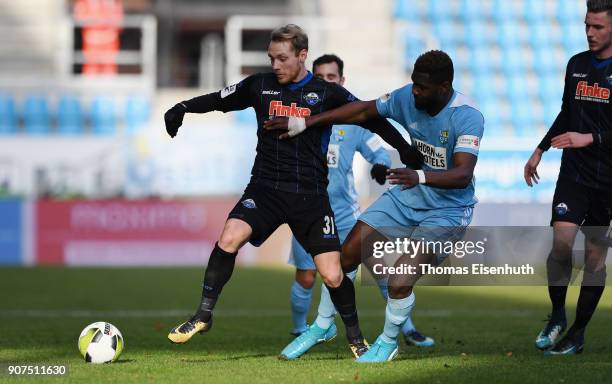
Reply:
x=88, y=175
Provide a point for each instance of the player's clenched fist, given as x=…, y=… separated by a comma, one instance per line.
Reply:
x=174, y=118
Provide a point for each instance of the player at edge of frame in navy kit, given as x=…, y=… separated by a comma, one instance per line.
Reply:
x=345, y=141
x=583, y=195
x=288, y=179
x=434, y=203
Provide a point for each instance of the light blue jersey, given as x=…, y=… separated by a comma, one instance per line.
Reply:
x=458, y=127
x=344, y=141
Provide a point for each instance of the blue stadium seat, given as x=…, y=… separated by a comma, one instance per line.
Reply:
x=36, y=114
x=407, y=10
x=484, y=87
x=137, y=112
x=509, y=34
x=515, y=61
x=504, y=10
x=103, y=118
x=574, y=39
x=551, y=108
x=536, y=11
x=480, y=60
x=470, y=10
x=478, y=33
x=8, y=116
x=539, y=36
x=490, y=111
x=551, y=88
x=448, y=32
x=546, y=62
x=414, y=47
x=570, y=11
x=441, y=10
x=69, y=115
x=522, y=117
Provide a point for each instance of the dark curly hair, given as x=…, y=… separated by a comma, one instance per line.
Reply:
x=437, y=64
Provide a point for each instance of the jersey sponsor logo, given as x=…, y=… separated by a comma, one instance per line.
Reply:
x=468, y=141
x=579, y=75
x=561, y=209
x=278, y=109
x=249, y=203
x=333, y=155
x=311, y=98
x=228, y=91
x=594, y=92
x=434, y=157
x=270, y=92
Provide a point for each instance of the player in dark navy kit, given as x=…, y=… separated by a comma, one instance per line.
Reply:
x=289, y=177
x=583, y=195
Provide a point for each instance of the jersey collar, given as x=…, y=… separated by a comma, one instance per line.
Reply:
x=599, y=64
x=301, y=83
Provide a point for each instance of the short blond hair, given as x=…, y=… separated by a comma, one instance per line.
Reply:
x=292, y=33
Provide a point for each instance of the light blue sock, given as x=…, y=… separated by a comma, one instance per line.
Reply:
x=396, y=313
x=300, y=304
x=327, y=311
x=408, y=327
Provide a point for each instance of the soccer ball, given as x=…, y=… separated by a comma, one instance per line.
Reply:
x=100, y=342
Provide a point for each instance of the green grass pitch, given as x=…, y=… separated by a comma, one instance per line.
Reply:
x=483, y=334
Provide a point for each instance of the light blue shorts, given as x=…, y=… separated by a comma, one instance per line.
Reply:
x=299, y=258
x=393, y=219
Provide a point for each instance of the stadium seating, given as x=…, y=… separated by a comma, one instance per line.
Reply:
x=36, y=115
x=8, y=115
x=137, y=113
x=69, y=115
x=509, y=56
x=103, y=118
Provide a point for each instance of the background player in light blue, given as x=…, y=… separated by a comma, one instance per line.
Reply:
x=344, y=142
x=434, y=203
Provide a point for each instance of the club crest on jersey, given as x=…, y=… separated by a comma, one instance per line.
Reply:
x=609, y=78
x=594, y=92
x=278, y=109
x=311, y=98
x=249, y=203
x=443, y=136
x=561, y=209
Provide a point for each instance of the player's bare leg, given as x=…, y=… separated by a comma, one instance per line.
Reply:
x=218, y=272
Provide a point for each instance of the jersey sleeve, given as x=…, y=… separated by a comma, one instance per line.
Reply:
x=339, y=96
x=371, y=148
x=231, y=98
x=560, y=125
x=389, y=105
x=468, y=123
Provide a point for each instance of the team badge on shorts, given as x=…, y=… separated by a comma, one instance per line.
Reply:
x=311, y=98
x=561, y=209
x=249, y=203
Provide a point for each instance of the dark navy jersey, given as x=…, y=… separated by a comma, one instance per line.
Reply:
x=586, y=109
x=298, y=164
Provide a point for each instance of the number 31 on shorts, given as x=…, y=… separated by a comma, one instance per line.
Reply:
x=329, y=228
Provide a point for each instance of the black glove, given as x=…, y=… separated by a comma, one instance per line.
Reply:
x=174, y=118
x=379, y=173
x=411, y=157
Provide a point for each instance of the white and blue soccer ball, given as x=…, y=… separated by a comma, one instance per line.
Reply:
x=101, y=342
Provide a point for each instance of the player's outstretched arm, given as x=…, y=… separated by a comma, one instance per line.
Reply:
x=232, y=98
x=457, y=177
